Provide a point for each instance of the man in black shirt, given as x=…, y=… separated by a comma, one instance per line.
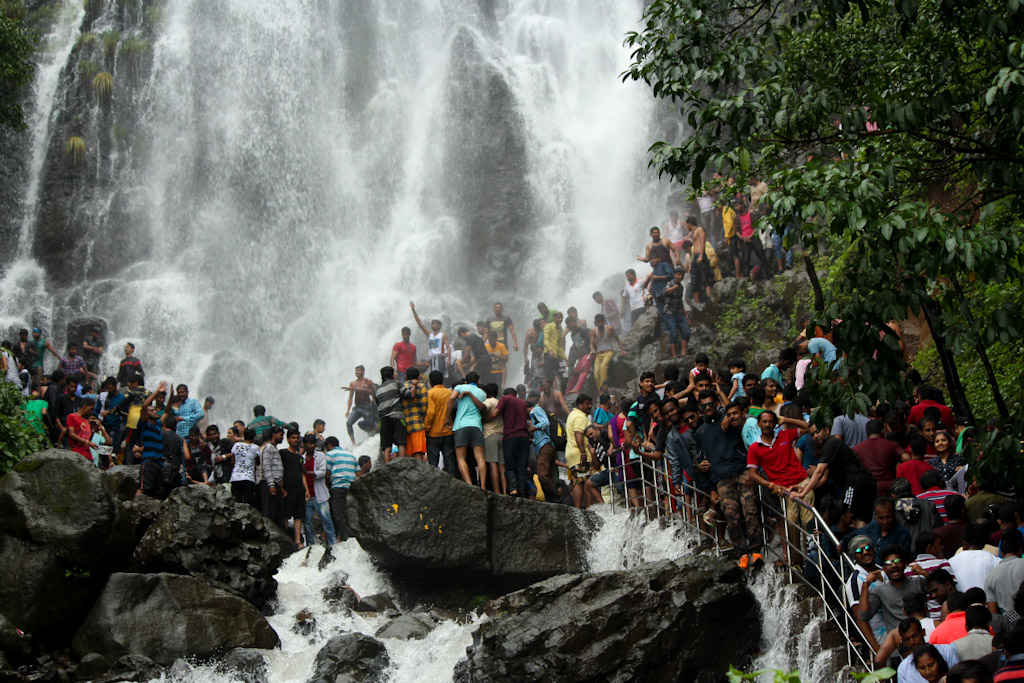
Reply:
x=839, y=475
x=294, y=484
x=480, y=360
x=173, y=454
x=726, y=461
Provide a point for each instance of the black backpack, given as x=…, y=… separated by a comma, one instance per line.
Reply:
x=556, y=430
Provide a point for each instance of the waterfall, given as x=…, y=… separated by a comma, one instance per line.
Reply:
x=267, y=185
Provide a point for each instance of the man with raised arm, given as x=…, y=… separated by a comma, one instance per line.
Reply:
x=438, y=349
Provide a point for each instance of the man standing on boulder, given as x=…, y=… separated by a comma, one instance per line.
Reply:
x=388, y=397
x=440, y=441
x=187, y=410
x=468, y=401
x=414, y=410
x=272, y=468
x=295, y=492
x=130, y=367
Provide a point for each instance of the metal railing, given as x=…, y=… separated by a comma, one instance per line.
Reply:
x=647, y=488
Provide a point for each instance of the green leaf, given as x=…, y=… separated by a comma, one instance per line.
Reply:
x=886, y=230
x=744, y=158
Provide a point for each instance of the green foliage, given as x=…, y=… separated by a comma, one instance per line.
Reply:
x=75, y=149
x=87, y=39
x=778, y=676
x=891, y=132
x=103, y=84
x=110, y=41
x=17, y=437
x=88, y=68
x=17, y=44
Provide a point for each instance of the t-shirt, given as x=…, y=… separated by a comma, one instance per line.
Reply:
x=341, y=468
x=79, y=426
x=601, y=416
x=34, y=414
x=820, y=345
x=389, y=399
x=737, y=380
x=917, y=412
x=723, y=449
x=513, y=412
x=494, y=426
x=539, y=418
x=888, y=598
x=499, y=350
x=907, y=672
x=662, y=272
x=674, y=300
x=853, y=431
x=1002, y=582
x=808, y=456
x=844, y=469
x=500, y=325
x=437, y=411
x=576, y=422
x=912, y=470
x=634, y=294
x=405, y=356
x=466, y=413
x=938, y=497
x=777, y=459
x=880, y=457
x=480, y=355
x=971, y=568
x=245, y=461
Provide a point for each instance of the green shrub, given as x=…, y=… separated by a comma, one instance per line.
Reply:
x=17, y=437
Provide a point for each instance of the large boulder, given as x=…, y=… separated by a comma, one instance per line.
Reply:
x=674, y=620
x=203, y=531
x=56, y=525
x=351, y=658
x=167, y=616
x=413, y=518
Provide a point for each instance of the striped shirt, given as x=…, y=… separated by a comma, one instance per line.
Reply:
x=341, y=468
x=938, y=496
x=388, y=396
x=414, y=407
x=152, y=439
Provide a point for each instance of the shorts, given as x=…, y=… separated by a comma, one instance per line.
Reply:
x=493, y=451
x=392, y=432
x=416, y=442
x=469, y=436
x=797, y=513
x=294, y=505
x=601, y=479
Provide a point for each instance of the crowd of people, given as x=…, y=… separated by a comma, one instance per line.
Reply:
x=937, y=550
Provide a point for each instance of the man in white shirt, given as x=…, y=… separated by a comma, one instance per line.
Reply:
x=632, y=299
x=972, y=564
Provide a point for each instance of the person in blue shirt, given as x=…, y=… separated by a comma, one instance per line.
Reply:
x=787, y=359
x=188, y=411
x=822, y=349
x=341, y=472
x=543, y=447
x=602, y=413
x=467, y=429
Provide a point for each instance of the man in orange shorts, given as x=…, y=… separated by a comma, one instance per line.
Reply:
x=414, y=406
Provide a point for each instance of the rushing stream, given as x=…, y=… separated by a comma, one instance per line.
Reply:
x=622, y=542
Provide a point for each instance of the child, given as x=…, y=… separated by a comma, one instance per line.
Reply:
x=365, y=465
x=700, y=364
x=674, y=316
x=737, y=368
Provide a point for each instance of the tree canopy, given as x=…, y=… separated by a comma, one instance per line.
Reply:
x=891, y=136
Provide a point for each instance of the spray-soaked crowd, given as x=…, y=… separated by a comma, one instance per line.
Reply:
x=937, y=550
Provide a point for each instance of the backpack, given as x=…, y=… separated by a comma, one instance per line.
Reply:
x=556, y=430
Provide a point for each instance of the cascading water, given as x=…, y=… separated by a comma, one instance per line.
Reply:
x=268, y=184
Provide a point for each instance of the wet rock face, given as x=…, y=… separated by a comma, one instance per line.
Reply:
x=351, y=658
x=414, y=518
x=167, y=616
x=204, y=532
x=56, y=524
x=674, y=620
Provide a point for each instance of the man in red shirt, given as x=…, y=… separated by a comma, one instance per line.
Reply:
x=879, y=456
x=912, y=469
x=403, y=353
x=931, y=397
x=773, y=453
x=79, y=430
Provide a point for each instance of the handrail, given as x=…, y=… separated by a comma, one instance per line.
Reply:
x=656, y=498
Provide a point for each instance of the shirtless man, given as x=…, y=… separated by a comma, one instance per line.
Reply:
x=701, y=276
x=552, y=400
x=361, y=390
x=438, y=348
x=661, y=246
x=675, y=234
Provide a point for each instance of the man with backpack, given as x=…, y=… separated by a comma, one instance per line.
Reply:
x=539, y=427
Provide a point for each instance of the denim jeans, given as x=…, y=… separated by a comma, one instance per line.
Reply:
x=517, y=452
x=323, y=510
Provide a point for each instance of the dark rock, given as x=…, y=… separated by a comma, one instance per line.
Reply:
x=417, y=520
x=644, y=331
x=338, y=594
x=378, y=602
x=56, y=523
x=168, y=616
x=202, y=531
x=14, y=642
x=250, y=663
x=79, y=329
x=122, y=481
x=325, y=559
x=305, y=622
x=407, y=627
x=134, y=517
x=663, y=621
x=351, y=658
x=92, y=665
